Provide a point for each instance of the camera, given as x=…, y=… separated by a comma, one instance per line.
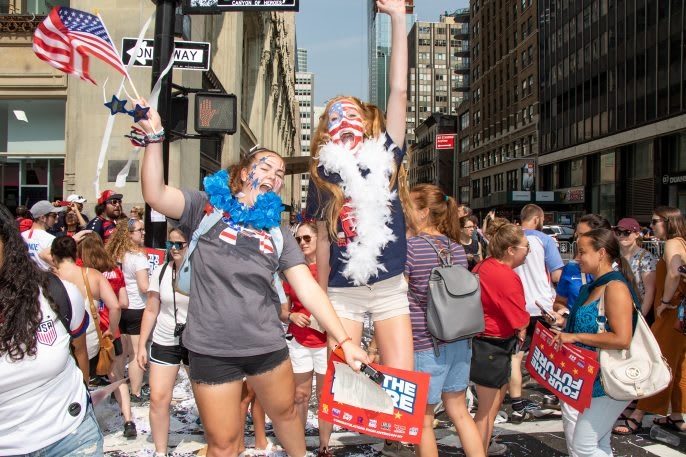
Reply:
x=178, y=329
x=682, y=269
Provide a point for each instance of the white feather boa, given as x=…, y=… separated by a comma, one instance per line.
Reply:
x=370, y=201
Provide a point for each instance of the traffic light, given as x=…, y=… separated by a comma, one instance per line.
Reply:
x=215, y=113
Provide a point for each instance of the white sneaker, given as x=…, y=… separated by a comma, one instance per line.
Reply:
x=495, y=449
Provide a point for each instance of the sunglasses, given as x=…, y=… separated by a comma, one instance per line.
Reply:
x=178, y=245
x=114, y=202
x=468, y=227
x=655, y=221
x=305, y=238
x=622, y=233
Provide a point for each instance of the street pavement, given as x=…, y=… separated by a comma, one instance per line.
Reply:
x=541, y=437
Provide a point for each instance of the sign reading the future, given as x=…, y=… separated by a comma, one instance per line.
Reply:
x=224, y=6
x=189, y=55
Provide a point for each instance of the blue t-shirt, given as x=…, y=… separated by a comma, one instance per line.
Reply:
x=570, y=283
x=393, y=254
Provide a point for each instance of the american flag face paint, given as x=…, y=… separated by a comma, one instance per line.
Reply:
x=346, y=126
x=265, y=174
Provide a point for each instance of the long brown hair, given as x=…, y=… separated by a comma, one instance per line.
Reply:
x=91, y=251
x=673, y=220
x=374, y=124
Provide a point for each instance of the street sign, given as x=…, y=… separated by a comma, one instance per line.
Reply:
x=225, y=6
x=188, y=55
x=445, y=141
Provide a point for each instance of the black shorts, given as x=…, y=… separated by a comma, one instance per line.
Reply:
x=207, y=369
x=530, y=332
x=168, y=355
x=130, y=322
x=118, y=350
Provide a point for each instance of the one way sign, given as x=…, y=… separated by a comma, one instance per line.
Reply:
x=190, y=55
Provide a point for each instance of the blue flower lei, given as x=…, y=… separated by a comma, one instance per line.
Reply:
x=265, y=214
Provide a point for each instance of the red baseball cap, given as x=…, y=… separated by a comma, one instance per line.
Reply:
x=108, y=195
x=628, y=223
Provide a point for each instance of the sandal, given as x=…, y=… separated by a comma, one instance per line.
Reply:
x=668, y=422
x=627, y=429
x=629, y=410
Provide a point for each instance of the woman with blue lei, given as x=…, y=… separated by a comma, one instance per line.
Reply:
x=232, y=329
x=603, y=317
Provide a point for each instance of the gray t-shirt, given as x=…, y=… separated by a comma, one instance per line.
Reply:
x=233, y=307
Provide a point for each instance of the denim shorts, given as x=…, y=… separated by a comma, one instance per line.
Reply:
x=86, y=440
x=449, y=371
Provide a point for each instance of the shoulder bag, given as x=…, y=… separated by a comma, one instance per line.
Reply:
x=453, y=309
x=637, y=372
x=106, y=354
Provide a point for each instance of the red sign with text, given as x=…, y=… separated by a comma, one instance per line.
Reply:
x=567, y=371
x=155, y=258
x=445, y=141
x=409, y=391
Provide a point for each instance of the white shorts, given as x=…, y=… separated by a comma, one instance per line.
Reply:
x=383, y=300
x=305, y=360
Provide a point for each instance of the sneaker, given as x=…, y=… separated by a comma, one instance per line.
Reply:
x=496, y=449
x=130, y=430
x=525, y=410
x=551, y=402
x=396, y=449
x=139, y=399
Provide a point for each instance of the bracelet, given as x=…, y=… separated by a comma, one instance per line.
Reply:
x=154, y=137
x=288, y=318
x=345, y=340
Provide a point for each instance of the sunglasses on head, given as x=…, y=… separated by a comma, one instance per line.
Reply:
x=622, y=233
x=305, y=238
x=178, y=245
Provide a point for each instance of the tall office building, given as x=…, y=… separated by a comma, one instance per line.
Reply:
x=504, y=105
x=301, y=63
x=613, y=106
x=304, y=93
x=438, y=68
x=379, y=43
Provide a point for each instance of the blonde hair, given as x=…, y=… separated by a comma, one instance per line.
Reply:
x=120, y=242
x=374, y=124
x=502, y=234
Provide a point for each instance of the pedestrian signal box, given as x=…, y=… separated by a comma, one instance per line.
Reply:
x=215, y=113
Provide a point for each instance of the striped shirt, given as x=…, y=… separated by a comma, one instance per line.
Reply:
x=421, y=259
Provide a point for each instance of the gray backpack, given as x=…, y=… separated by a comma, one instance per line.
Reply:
x=454, y=311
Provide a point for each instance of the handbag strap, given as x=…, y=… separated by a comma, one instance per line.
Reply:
x=94, y=312
x=446, y=261
x=602, y=319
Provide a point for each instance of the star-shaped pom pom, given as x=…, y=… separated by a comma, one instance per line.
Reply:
x=139, y=113
x=116, y=106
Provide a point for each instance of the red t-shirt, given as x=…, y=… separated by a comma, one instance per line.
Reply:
x=306, y=336
x=502, y=296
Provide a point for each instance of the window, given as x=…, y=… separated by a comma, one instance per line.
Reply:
x=476, y=188
x=486, y=185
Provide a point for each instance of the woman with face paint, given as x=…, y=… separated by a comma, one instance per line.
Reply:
x=232, y=330
x=355, y=195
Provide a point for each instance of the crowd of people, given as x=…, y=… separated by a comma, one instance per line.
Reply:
x=366, y=248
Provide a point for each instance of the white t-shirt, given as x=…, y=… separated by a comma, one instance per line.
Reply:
x=542, y=259
x=37, y=241
x=36, y=392
x=164, y=328
x=132, y=263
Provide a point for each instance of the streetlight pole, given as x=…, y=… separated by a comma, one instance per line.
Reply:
x=384, y=79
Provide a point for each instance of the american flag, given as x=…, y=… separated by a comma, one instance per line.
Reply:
x=66, y=37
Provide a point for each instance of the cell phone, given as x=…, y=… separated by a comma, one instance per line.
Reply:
x=64, y=203
x=549, y=317
x=682, y=269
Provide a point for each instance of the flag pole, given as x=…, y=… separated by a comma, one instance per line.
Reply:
x=126, y=71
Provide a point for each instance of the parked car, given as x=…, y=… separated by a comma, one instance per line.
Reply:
x=563, y=235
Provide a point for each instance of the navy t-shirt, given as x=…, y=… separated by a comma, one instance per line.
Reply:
x=393, y=256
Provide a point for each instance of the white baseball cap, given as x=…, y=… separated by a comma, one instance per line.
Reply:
x=74, y=198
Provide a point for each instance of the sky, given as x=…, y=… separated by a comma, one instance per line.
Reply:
x=334, y=32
